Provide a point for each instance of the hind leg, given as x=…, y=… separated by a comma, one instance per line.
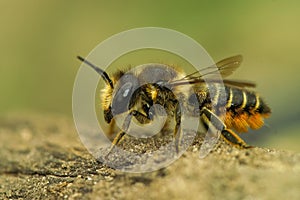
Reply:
x=209, y=118
x=177, y=131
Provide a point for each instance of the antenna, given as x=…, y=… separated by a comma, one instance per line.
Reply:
x=102, y=73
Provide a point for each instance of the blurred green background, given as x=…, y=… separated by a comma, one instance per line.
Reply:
x=40, y=40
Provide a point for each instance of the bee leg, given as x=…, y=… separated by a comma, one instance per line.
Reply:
x=125, y=128
x=111, y=127
x=121, y=134
x=232, y=138
x=177, y=131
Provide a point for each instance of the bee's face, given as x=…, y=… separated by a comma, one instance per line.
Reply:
x=124, y=94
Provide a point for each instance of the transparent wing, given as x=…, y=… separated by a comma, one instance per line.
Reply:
x=224, y=68
x=239, y=83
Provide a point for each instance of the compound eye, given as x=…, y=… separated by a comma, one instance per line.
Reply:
x=122, y=97
x=160, y=82
x=124, y=92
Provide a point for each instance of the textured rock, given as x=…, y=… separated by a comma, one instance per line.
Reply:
x=42, y=157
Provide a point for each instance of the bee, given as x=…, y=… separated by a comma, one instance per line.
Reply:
x=226, y=105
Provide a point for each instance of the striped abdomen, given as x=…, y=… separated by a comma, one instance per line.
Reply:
x=244, y=109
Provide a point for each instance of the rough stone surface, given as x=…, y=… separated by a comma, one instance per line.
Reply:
x=43, y=158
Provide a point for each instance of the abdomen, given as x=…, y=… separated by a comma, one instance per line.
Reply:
x=237, y=107
x=244, y=109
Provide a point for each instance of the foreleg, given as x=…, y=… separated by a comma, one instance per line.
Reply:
x=125, y=127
